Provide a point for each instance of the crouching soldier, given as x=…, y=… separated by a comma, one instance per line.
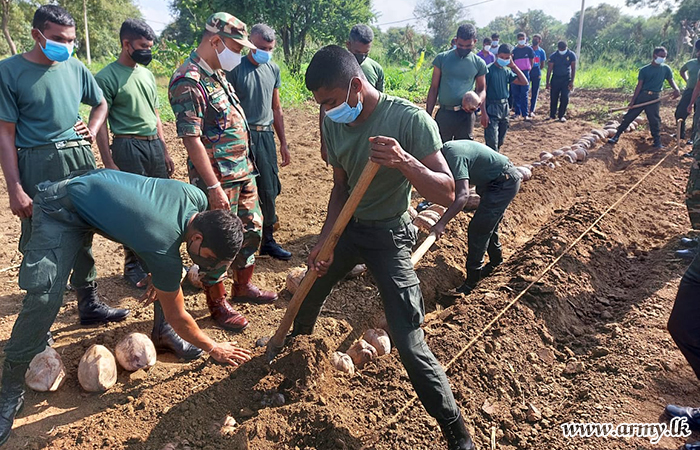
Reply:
x=497, y=181
x=160, y=215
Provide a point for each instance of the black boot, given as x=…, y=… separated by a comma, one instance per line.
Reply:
x=613, y=140
x=272, y=248
x=133, y=271
x=457, y=436
x=92, y=311
x=473, y=277
x=657, y=142
x=166, y=339
x=11, y=396
x=301, y=329
x=495, y=260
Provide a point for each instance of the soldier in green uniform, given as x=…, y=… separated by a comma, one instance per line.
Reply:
x=649, y=85
x=497, y=182
x=211, y=122
x=363, y=124
x=359, y=44
x=138, y=146
x=159, y=216
x=689, y=73
x=40, y=93
x=456, y=72
x=256, y=81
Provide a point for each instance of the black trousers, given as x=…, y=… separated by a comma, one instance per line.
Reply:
x=682, y=112
x=457, y=125
x=652, y=111
x=559, y=96
x=684, y=323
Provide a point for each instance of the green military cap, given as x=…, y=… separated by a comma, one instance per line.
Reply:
x=226, y=25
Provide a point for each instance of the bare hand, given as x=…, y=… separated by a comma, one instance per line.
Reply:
x=150, y=295
x=548, y=86
x=676, y=94
x=21, y=204
x=438, y=229
x=110, y=165
x=321, y=267
x=324, y=154
x=286, y=157
x=511, y=64
x=169, y=164
x=571, y=86
x=387, y=152
x=218, y=199
x=484, y=119
x=228, y=353
x=690, y=109
x=84, y=131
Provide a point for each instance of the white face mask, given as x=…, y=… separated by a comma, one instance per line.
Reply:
x=522, y=42
x=487, y=48
x=228, y=59
x=494, y=44
x=562, y=52
x=659, y=60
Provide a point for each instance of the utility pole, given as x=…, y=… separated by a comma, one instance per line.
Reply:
x=87, y=33
x=580, y=35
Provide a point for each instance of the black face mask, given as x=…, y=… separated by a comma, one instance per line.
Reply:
x=462, y=52
x=536, y=43
x=143, y=57
x=360, y=57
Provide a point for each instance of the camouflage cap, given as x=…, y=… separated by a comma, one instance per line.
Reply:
x=224, y=24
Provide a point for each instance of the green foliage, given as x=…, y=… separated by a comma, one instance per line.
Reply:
x=404, y=45
x=441, y=17
x=595, y=20
x=20, y=27
x=167, y=56
x=300, y=24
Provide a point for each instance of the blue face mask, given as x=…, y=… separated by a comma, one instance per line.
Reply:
x=56, y=51
x=345, y=113
x=503, y=62
x=261, y=56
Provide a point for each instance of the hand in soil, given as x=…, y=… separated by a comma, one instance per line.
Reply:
x=228, y=353
x=150, y=295
x=387, y=152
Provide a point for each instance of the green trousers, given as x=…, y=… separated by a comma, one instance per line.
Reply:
x=495, y=133
x=269, y=187
x=47, y=163
x=57, y=241
x=386, y=250
x=692, y=191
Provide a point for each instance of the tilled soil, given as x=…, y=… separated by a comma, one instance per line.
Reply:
x=587, y=343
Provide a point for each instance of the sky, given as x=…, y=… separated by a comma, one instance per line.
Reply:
x=157, y=12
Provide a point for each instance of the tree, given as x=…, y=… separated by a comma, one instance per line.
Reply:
x=443, y=17
x=6, y=5
x=298, y=23
x=404, y=45
x=595, y=19
x=538, y=22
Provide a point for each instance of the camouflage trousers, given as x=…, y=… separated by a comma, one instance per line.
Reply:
x=243, y=198
x=692, y=191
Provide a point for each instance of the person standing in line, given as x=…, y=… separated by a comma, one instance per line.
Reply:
x=523, y=57
x=536, y=72
x=257, y=81
x=689, y=73
x=138, y=146
x=495, y=43
x=40, y=95
x=456, y=72
x=561, y=73
x=485, y=52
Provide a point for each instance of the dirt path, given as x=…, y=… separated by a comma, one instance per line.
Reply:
x=604, y=306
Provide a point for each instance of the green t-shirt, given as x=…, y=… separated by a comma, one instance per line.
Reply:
x=374, y=73
x=498, y=81
x=473, y=161
x=132, y=98
x=389, y=193
x=148, y=215
x=652, y=77
x=458, y=75
x=42, y=101
x=254, y=86
x=692, y=67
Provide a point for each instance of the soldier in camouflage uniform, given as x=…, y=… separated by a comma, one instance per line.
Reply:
x=215, y=133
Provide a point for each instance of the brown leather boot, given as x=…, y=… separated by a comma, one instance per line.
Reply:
x=245, y=291
x=222, y=313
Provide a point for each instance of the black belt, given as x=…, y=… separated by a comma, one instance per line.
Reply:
x=59, y=145
x=260, y=127
x=384, y=224
x=451, y=108
x=496, y=101
x=136, y=136
x=652, y=93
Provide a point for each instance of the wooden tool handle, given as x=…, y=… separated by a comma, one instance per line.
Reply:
x=370, y=170
x=640, y=105
x=423, y=249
